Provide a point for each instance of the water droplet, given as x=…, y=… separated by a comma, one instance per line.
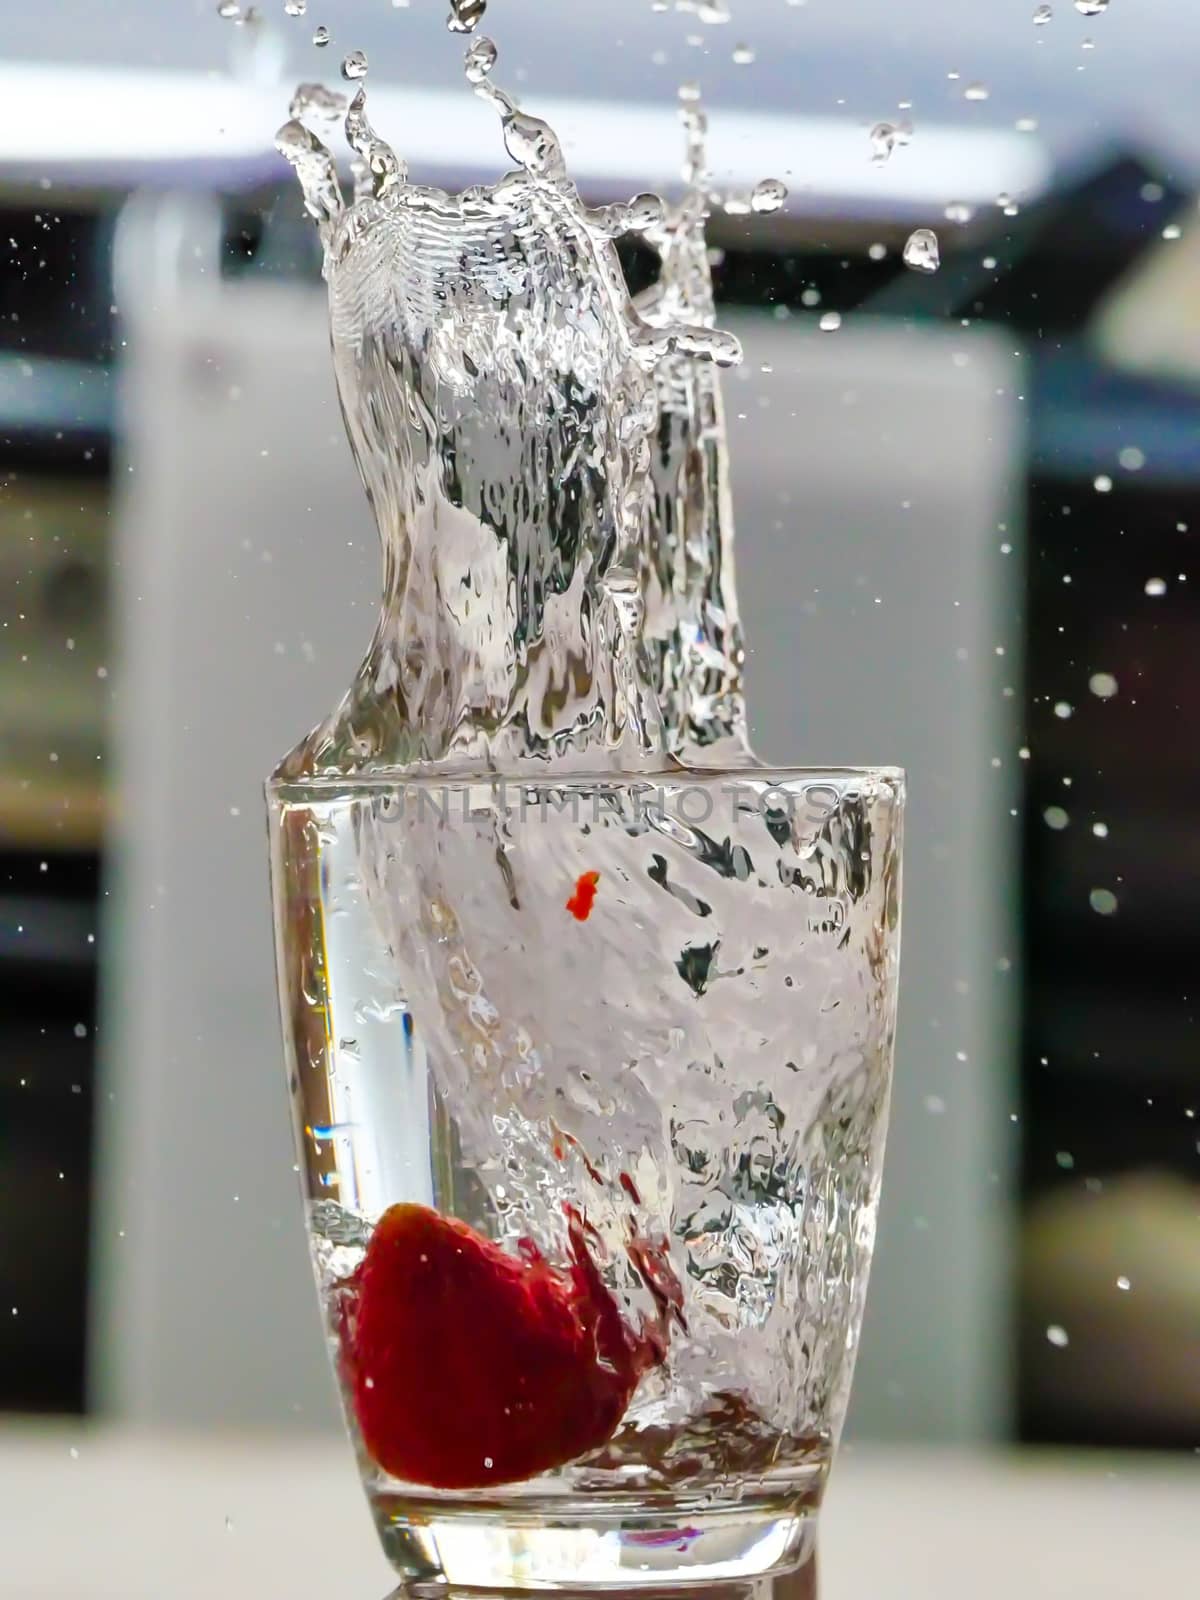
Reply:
x=229, y=9
x=743, y=55
x=935, y=1105
x=480, y=59
x=317, y=103
x=315, y=167
x=976, y=91
x=1100, y=829
x=294, y=8
x=1055, y=817
x=1103, y=685
x=533, y=145
x=1172, y=231
x=1042, y=16
x=1124, y=1284
x=354, y=66
x=321, y=37
x=1091, y=8
x=465, y=15
x=380, y=166
x=1102, y=483
x=830, y=321
x=1156, y=587
x=884, y=138
x=1057, y=1336
x=768, y=195
x=1103, y=902
x=921, y=251
x=1063, y=710
x=957, y=211
x=877, y=252
x=1065, y=1160
x=1026, y=124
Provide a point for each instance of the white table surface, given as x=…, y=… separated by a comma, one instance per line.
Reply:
x=97, y=1514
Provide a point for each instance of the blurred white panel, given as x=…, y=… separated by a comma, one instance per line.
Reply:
x=130, y=115
x=877, y=472
x=244, y=597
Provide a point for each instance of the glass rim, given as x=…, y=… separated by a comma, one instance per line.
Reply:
x=391, y=779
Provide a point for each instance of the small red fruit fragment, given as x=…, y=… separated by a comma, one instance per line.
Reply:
x=469, y=1366
x=584, y=898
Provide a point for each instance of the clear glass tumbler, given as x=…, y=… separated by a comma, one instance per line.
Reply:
x=590, y=1080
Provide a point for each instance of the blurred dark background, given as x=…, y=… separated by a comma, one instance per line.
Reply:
x=1092, y=278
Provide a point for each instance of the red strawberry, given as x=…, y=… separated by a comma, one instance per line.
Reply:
x=470, y=1366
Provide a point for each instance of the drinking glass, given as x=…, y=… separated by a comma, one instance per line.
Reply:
x=590, y=1080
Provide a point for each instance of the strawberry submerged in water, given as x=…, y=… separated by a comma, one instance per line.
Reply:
x=469, y=1366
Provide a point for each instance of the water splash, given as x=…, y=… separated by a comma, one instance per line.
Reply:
x=545, y=458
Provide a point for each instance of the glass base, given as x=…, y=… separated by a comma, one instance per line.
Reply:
x=441, y=1550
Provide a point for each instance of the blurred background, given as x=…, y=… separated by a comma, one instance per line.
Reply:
x=966, y=501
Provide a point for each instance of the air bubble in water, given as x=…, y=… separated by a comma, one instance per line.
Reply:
x=321, y=37
x=1042, y=16
x=354, y=66
x=480, y=59
x=768, y=195
x=1091, y=8
x=976, y=91
x=921, y=251
x=465, y=15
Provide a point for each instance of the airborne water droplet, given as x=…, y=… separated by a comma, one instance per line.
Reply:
x=767, y=196
x=743, y=55
x=229, y=9
x=976, y=91
x=1042, y=16
x=1156, y=587
x=480, y=59
x=354, y=66
x=921, y=251
x=884, y=137
x=830, y=321
x=294, y=8
x=465, y=15
x=316, y=102
x=957, y=211
x=321, y=37
x=1091, y=8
